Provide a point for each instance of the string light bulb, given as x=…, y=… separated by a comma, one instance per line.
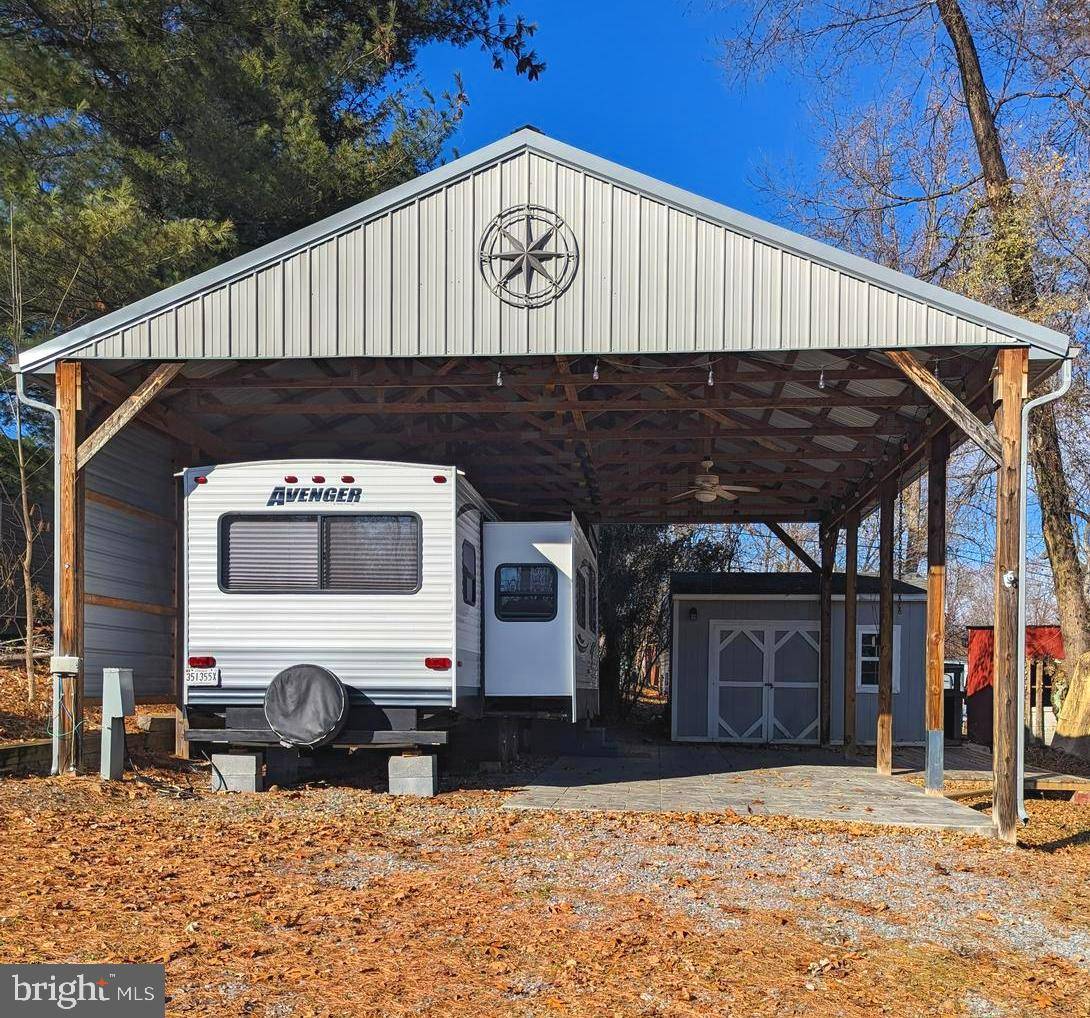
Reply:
x=499, y=378
x=594, y=373
x=821, y=380
x=711, y=377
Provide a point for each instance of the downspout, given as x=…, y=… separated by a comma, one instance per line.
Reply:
x=1048, y=397
x=37, y=404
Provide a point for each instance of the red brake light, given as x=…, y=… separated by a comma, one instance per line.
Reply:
x=318, y=479
x=202, y=662
x=347, y=479
x=291, y=479
x=201, y=480
x=439, y=479
x=437, y=664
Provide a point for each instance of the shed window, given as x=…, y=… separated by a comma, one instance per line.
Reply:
x=469, y=573
x=581, y=599
x=525, y=592
x=866, y=658
x=341, y=553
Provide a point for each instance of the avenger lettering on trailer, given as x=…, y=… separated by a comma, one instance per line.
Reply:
x=281, y=495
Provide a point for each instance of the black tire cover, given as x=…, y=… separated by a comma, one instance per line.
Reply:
x=306, y=705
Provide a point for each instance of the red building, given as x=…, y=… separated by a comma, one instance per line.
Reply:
x=1042, y=643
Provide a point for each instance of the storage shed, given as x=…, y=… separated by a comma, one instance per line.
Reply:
x=746, y=658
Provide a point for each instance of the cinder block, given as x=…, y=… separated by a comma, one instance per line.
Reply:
x=414, y=775
x=237, y=772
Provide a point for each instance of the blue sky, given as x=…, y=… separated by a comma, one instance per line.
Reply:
x=639, y=83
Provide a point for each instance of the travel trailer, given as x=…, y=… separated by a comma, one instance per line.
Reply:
x=381, y=598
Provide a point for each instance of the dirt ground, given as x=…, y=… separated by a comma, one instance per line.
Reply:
x=338, y=900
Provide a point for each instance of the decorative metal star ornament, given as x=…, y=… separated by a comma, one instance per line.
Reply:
x=528, y=256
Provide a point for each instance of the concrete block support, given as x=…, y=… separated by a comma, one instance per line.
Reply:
x=238, y=772
x=414, y=775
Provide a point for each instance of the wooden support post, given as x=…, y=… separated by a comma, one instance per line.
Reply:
x=938, y=451
x=1038, y=667
x=851, y=572
x=827, y=542
x=69, y=599
x=884, y=736
x=1010, y=384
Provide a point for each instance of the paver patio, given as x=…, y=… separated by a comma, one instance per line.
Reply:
x=810, y=783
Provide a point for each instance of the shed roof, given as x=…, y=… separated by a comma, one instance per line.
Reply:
x=800, y=584
x=654, y=269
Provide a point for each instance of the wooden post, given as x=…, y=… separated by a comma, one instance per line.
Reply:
x=827, y=542
x=938, y=451
x=69, y=599
x=851, y=569
x=884, y=738
x=1038, y=667
x=1010, y=386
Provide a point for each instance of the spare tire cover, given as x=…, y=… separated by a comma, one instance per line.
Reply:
x=306, y=705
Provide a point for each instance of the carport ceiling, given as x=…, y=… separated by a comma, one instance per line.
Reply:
x=813, y=432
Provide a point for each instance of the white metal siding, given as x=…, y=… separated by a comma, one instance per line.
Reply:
x=659, y=270
x=375, y=643
x=130, y=557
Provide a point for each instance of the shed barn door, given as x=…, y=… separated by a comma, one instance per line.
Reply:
x=763, y=682
x=737, y=705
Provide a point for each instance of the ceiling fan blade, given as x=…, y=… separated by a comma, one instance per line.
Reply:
x=739, y=487
x=726, y=496
x=684, y=494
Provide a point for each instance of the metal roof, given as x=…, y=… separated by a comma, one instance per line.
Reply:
x=651, y=269
x=798, y=584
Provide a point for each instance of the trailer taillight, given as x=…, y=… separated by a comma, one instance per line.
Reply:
x=202, y=662
x=291, y=479
x=201, y=480
x=437, y=664
x=439, y=479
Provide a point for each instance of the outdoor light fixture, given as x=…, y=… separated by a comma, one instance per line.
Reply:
x=692, y=613
x=499, y=378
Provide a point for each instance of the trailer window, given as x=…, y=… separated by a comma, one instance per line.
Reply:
x=269, y=553
x=581, y=599
x=525, y=592
x=365, y=553
x=469, y=573
x=371, y=554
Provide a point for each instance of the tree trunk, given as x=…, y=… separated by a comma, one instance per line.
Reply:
x=1053, y=489
x=27, y=559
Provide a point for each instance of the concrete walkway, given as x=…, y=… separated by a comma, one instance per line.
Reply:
x=810, y=783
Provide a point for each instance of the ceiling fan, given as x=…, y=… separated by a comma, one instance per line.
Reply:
x=708, y=489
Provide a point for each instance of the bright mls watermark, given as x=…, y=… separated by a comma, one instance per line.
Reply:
x=127, y=991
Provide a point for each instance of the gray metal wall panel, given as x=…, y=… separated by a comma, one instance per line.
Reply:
x=690, y=681
x=131, y=558
x=652, y=277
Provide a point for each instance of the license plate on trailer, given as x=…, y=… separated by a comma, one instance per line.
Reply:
x=202, y=676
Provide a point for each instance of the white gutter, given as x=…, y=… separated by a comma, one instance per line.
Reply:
x=37, y=404
x=1048, y=397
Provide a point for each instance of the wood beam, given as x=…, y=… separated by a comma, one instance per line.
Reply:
x=1011, y=391
x=851, y=605
x=827, y=541
x=938, y=452
x=69, y=599
x=139, y=398
x=180, y=427
x=794, y=547
x=884, y=734
x=978, y=432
